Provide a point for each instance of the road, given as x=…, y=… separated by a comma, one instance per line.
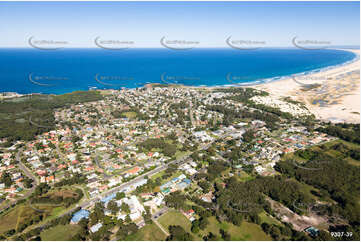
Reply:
x=160, y=212
x=89, y=202
x=26, y=170
x=191, y=114
x=105, y=175
x=27, y=173
x=132, y=182
x=138, y=178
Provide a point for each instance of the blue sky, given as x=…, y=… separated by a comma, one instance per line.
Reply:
x=210, y=23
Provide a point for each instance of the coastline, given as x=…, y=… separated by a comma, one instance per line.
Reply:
x=332, y=94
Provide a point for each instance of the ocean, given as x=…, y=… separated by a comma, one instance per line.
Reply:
x=65, y=70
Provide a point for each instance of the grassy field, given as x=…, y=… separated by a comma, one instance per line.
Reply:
x=59, y=233
x=20, y=213
x=266, y=218
x=56, y=212
x=159, y=174
x=9, y=220
x=180, y=154
x=149, y=232
x=243, y=176
x=330, y=151
x=175, y=218
x=130, y=115
x=247, y=231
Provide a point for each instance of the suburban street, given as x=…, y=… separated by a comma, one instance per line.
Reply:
x=85, y=203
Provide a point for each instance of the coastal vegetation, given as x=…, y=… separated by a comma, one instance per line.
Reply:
x=237, y=162
x=165, y=146
x=25, y=117
x=346, y=131
x=339, y=181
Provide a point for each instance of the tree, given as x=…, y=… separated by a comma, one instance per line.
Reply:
x=205, y=186
x=195, y=226
x=41, y=189
x=120, y=195
x=113, y=207
x=147, y=215
x=175, y=200
x=178, y=233
x=126, y=229
x=125, y=208
x=225, y=235
x=65, y=219
x=127, y=219
x=210, y=236
x=97, y=214
x=28, y=182
x=6, y=179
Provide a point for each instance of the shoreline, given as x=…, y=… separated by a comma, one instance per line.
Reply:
x=265, y=81
x=331, y=95
x=228, y=83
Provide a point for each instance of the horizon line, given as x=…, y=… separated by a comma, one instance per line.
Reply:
x=210, y=47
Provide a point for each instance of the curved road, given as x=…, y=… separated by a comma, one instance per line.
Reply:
x=29, y=174
x=88, y=202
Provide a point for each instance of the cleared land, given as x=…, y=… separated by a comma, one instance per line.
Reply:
x=247, y=231
x=150, y=232
x=175, y=218
x=59, y=233
x=266, y=218
x=9, y=220
x=25, y=213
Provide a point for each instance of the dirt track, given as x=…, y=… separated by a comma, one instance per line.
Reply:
x=299, y=222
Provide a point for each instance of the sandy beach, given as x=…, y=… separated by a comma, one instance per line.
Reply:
x=331, y=95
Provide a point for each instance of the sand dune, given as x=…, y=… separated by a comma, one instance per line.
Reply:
x=332, y=95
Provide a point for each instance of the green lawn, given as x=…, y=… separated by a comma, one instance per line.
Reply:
x=247, y=231
x=243, y=176
x=175, y=218
x=59, y=233
x=130, y=115
x=159, y=174
x=180, y=154
x=213, y=226
x=150, y=232
x=57, y=211
x=266, y=218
